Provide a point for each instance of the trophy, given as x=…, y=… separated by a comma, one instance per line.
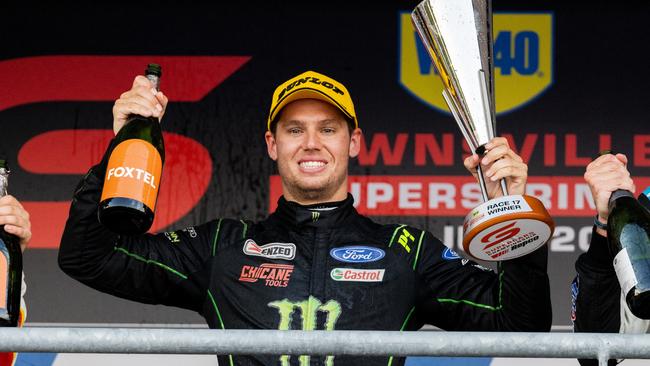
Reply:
x=458, y=36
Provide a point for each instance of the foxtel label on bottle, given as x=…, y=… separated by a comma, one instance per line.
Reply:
x=133, y=171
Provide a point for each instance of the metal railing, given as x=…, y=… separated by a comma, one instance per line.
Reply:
x=360, y=343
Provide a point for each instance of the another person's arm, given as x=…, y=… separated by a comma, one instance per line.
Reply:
x=16, y=221
x=597, y=302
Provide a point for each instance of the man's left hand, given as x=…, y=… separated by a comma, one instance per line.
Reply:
x=499, y=161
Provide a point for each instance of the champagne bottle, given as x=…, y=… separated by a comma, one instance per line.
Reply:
x=133, y=173
x=644, y=198
x=11, y=265
x=628, y=231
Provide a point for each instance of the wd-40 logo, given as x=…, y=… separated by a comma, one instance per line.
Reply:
x=523, y=67
x=309, y=311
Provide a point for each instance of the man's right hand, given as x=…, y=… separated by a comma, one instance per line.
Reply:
x=604, y=176
x=142, y=99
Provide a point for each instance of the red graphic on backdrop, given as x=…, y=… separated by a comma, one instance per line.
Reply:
x=104, y=78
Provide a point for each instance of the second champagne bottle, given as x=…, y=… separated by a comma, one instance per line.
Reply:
x=133, y=172
x=11, y=265
x=628, y=234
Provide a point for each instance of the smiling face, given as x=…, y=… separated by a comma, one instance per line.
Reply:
x=312, y=146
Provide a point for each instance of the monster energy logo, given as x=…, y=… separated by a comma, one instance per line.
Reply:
x=308, y=313
x=314, y=216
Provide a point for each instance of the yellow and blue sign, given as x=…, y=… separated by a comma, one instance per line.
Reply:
x=523, y=61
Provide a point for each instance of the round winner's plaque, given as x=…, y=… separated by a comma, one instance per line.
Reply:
x=506, y=227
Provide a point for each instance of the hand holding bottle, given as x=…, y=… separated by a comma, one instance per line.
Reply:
x=605, y=175
x=142, y=99
x=15, y=219
x=134, y=168
x=15, y=232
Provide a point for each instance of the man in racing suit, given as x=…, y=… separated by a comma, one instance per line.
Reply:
x=315, y=263
x=598, y=304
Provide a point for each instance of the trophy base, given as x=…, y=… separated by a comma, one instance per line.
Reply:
x=506, y=228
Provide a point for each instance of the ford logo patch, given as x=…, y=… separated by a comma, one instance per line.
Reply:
x=357, y=254
x=449, y=254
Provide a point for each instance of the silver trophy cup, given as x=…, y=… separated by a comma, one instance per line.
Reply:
x=458, y=36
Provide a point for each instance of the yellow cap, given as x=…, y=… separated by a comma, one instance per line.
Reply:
x=312, y=85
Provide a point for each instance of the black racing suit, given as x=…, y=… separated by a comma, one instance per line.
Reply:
x=282, y=273
x=598, y=304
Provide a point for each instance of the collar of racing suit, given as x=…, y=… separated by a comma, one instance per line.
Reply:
x=319, y=215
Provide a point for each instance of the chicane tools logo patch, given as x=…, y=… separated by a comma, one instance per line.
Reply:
x=273, y=275
x=357, y=254
x=357, y=275
x=270, y=250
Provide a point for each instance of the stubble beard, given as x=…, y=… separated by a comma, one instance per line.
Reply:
x=320, y=193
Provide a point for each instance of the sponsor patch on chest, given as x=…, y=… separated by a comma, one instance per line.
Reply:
x=273, y=275
x=357, y=275
x=449, y=254
x=271, y=250
x=357, y=254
